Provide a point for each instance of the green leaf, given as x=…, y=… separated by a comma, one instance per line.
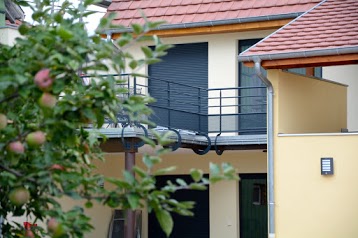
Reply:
x=148, y=141
x=196, y=174
x=147, y=51
x=64, y=33
x=214, y=169
x=137, y=29
x=164, y=170
x=196, y=186
x=165, y=220
x=88, y=204
x=139, y=171
x=148, y=161
x=181, y=182
x=133, y=64
x=129, y=177
x=133, y=200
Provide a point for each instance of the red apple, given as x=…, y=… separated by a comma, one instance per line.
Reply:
x=16, y=147
x=3, y=121
x=29, y=234
x=36, y=138
x=43, y=79
x=47, y=100
x=57, y=167
x=19, y=196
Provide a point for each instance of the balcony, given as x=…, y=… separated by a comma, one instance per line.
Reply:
x=201, y=119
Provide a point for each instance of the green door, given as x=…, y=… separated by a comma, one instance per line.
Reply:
x=253, y=206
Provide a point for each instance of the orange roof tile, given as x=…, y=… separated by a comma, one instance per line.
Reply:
x=198, y=11
x=331, y=26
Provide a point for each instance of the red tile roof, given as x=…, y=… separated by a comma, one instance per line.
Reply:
x=195, y=11
x=330, y=26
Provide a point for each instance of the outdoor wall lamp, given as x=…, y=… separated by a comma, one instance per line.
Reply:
x=326, y=166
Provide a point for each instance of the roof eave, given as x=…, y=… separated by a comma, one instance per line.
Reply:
x=211, y=23
x=301, y=54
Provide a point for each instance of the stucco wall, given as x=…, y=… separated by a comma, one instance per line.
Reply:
x=224, y=196
x=308, y=105
x=309, y=204
x=347, y=74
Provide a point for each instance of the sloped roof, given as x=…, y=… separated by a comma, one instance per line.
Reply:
x=14, y=13
x=330, y=28
x=179, y=12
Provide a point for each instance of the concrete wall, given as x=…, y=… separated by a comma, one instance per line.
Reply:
x=308, y=105
x=224, y=196
x=8, y=35
x=347, y=74
x=309, y=204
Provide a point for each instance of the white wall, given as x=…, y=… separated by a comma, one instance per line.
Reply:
x=347, y=74
x=8, y=35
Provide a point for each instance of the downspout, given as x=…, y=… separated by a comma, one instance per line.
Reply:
x=2, y=13
x=270, y=159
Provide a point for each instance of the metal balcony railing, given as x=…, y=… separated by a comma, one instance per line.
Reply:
x=231, y=111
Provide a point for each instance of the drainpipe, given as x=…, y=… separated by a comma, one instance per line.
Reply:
x=2, y=13
x=270, y=160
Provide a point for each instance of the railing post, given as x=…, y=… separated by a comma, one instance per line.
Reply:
x=199, y=107
x=135, y=85
x=220, y=109
x=128, y=85
x=169, y=118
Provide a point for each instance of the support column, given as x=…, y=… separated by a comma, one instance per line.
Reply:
x=129, y=229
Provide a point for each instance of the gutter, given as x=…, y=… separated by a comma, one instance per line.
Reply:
x=302, y=54
x=213, y=23
x=270, y=154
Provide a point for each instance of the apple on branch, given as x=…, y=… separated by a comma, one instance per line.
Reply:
x=36, y=138
x=47, y=100
x=43, y=79
x=16, y=147
x=19, y=196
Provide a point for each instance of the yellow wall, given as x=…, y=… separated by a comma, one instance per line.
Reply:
x=308, y=105
x=309, y=204
x=347, y=74
x=224, y=196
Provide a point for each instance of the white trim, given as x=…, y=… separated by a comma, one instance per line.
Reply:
x=319, y=134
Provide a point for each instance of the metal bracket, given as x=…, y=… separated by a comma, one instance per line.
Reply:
x=177, y=145
x=218, y=152
x=129, y=145
x=207, y=149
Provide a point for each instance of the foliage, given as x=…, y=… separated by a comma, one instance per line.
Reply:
x=46, y=152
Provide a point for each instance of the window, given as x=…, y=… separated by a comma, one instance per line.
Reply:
x=311, y=71
x=252, y=97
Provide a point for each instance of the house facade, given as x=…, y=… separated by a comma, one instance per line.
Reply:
x=11, y=16
x=218, y=107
